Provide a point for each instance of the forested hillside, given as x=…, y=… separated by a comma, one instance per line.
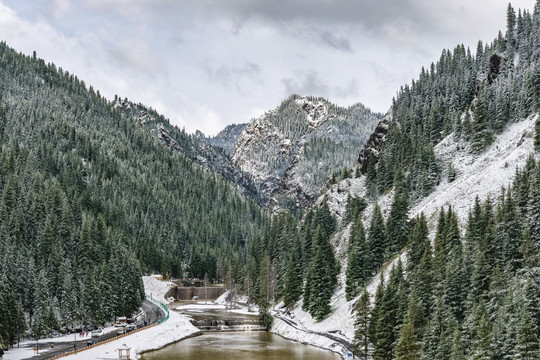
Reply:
x=452, y=287
x=472, y=95
x=472, y=292
x=91, y=197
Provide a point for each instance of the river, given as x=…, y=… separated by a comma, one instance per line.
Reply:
x=235, y=345
x=256, y=345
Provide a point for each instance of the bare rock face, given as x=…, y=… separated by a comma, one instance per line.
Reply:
x=291, y=151
x=371, y=151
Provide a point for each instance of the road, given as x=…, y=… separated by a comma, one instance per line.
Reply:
x=152, y=313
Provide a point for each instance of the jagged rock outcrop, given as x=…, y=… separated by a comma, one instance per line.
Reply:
x=370, y=153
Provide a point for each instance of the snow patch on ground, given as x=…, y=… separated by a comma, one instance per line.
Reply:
x=281, y=328
x=22, y=353
x=222, y=299
x=157, y=289
x=477, y=175
x=175, y=329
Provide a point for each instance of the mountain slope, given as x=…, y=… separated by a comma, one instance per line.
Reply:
x=292, y=151
x=477, y=175
x=454, y=170
x=199, y=149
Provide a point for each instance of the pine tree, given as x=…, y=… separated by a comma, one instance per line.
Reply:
x=377, y=237
x=418, y=241
x=41, y=324
x=537, y=134
x=458, y=347
x=481, y=344
x=325, y=219
x=480, y=278
x=323, y=276
x=265, y=318
x=528, y=346
x=397, y=226
x=390, y=315
x=307, y=239
x=308, y=285
x=375, y=313
x=422, y=280
x=358, y=260
x=534, y=209
x=481, y=136
x=409, y=345
x=293, y=279
x=438, y=333
x=361, y=326
x=453, y=234
x=453, y=291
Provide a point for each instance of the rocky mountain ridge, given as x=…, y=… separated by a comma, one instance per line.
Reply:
x=292, y=152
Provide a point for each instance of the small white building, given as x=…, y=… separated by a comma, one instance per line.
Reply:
x=124, y=352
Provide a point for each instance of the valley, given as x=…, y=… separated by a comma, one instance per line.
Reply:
x=310, y=230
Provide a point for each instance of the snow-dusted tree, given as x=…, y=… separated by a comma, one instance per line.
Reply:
x=293, y=278
x=397, y=225
x=358, y=260
x=376, y=237
x=481, y=136
x=361, y=326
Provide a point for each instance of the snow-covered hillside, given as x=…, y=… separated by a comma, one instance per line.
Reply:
x=480, y=175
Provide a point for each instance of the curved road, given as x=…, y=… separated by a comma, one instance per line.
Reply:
x=153, y=313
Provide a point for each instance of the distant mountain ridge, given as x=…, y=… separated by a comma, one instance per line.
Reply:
x=226, y=139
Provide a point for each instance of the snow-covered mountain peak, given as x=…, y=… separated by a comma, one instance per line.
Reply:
x=316, y=111
x=292, y=150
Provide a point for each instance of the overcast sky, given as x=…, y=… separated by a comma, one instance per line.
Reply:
x=205, y=64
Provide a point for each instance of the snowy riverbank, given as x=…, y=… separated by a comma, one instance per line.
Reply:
x=176, y=328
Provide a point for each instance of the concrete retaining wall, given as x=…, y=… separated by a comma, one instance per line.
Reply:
x=187, y=293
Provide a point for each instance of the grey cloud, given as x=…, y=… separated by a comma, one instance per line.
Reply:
x=372, y=15
x=230, y=75
x=310, y=84
x=339, y=43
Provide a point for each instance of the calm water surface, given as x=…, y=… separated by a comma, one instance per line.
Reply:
x=240, y=346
